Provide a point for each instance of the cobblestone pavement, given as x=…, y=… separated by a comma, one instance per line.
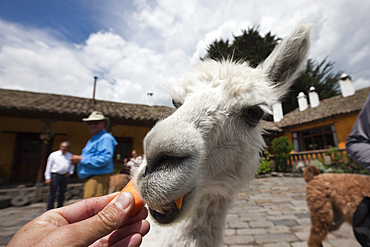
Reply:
x=271, y=213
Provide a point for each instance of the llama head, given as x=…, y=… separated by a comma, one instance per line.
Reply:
x=211, y=145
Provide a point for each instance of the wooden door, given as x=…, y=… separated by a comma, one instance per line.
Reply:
x=122, y=151
x=27, y=157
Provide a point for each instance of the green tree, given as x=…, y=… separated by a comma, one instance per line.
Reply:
x=218, y=50
x=250, y=46
x=282, y=148
x=318, y=75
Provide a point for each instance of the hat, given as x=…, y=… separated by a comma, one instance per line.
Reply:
x=97, y=116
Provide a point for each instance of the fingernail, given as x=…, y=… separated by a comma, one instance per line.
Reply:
x=123, y=200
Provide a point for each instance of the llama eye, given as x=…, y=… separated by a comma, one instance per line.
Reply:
x=176, y=104
x=254, y=115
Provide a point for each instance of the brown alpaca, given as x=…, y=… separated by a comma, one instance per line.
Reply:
x=118, y=182
x=332, y=199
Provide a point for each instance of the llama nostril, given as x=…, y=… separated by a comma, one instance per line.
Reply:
x=163, y=162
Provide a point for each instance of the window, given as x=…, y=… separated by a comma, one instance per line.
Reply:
x=315, y=139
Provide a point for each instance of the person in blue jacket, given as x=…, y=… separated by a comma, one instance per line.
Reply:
x=95, y=164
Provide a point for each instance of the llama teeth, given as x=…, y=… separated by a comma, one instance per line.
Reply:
x=179, y=202
x=156, y=207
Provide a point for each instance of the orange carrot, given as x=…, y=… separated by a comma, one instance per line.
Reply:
x=178, y=202
x=139, y=202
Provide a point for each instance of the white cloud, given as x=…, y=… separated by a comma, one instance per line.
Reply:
x=126, y=71
x=225, y=32
x=34, y=60
x=361, y=83
x=144, y=44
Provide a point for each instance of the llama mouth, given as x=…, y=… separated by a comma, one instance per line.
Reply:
x=170, y=212
x=165, y=214
x=163, y=209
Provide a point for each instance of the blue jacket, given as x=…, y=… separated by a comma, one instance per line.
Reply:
x=97, y=155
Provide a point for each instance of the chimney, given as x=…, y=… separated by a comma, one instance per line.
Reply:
x=277, y=111
x=150, y=98
x=346, y=85
x=314, y=97
x=302, y=101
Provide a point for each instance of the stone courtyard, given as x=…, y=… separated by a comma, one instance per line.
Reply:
x=271, y=213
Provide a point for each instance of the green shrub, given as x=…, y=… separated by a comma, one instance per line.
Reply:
x=265, y=164
x=318, y=165
x=282, y=148
x=336, y=170
x=343, y=163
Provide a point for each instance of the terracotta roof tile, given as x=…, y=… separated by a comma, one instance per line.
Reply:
x=328, y=108
x=270, y=126
x=54, y=106
x=42, y=105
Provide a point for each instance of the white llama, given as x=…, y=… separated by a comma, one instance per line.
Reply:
x=210, y=147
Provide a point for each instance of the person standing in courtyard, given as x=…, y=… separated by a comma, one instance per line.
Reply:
x=95, y=164
x=58, y=170
x=134, y=162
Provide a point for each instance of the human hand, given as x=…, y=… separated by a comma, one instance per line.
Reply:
x=76, y=159
x=95, y=221
x=47, y=181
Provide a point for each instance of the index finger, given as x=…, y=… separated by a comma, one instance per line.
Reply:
x=84, y=209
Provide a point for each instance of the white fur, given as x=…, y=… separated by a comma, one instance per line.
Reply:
x=207, y=149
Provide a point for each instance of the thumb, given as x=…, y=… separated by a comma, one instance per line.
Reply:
x=86, y=232
x=110, y=218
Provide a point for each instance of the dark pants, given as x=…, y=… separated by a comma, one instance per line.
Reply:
x=60, y=181
x=361, y=222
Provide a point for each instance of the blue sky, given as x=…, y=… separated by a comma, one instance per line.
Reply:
x=137, y=46
x=71, y=18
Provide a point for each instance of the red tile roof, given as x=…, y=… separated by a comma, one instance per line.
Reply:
x=328, y=108
x=62, y=107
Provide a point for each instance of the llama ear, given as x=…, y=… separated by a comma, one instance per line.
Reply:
x=284, y=63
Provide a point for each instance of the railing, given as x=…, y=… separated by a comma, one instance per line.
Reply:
x=307, y=157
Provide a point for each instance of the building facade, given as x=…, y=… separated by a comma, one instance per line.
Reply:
x=33, y=124
x=319, y=125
